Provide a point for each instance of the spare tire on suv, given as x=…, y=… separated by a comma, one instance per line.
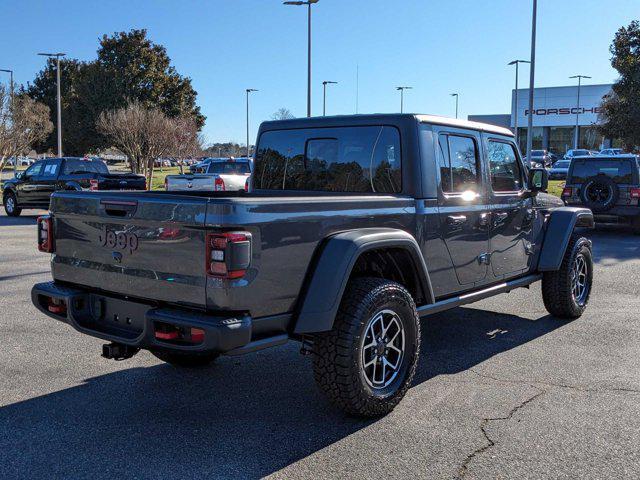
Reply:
x=599, y=193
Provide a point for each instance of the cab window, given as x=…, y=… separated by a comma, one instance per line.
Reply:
x=50, y=169
x=458, y=163
x=34, y=170
x=504, y=167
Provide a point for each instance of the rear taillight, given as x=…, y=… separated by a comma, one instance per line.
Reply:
x=228, y=254
x=246, y=185
x=93, y=184
x=45, y=234
x=166, y=184
x=634, y=192
x=218, y=186
x=567, y=191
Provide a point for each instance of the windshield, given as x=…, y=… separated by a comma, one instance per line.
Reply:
x=229, y=168
x=619, y=170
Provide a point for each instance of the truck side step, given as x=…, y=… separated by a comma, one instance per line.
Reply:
x=260, y=344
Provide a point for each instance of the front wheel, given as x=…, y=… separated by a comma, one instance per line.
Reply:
x=11, y=205
x=366, y=364
x=566, y=291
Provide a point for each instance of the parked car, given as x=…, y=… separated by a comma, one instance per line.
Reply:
x=33, y=187
x=357, y=227
x=609, y=152
x=541, y=158
x=22, y=162
x=221, y=175
x=201, y=166
x=559, y=170
x=609, y=186
x=579, y=152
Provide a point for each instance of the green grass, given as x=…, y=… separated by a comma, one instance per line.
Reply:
x=555, y=187
x=158, y=176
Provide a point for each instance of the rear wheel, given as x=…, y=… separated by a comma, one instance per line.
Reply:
x=366, y=364
x=186, y=360
x=566, y=291
x=11, y=205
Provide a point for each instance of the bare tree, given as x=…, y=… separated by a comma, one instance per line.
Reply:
x=145, y=135
x=282, y=114
x=22, y=124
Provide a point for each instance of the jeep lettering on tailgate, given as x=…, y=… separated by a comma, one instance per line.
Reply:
x=120, y=240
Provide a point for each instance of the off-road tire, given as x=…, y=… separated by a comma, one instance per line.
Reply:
x=557, y=285
x=337, y=361
x=186, y=360
x=11, y=212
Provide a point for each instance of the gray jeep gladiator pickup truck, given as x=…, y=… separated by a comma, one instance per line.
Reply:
x=354, y=228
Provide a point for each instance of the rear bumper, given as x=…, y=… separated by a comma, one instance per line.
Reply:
x=617, y=214
x=134, y=324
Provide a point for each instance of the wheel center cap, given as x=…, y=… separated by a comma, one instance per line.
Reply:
x=380, y=348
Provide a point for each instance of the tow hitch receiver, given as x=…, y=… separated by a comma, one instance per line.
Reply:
x=118, y=351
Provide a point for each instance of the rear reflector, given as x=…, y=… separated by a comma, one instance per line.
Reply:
x=567, y=192
x=173, y=335
x=219, y=185
x=180, y=335
x=93, y=184
x=55, y=305
x=634, y=192
x=45, y=234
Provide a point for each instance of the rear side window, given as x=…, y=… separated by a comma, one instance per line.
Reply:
x=621, y=171
x=50, y=169
x=458, y=163
x=504, y=167
x=342, y=159
x=77, y=167
x=229, y=168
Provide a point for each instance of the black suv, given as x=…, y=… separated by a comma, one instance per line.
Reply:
x=608, y=185
x=33, y=187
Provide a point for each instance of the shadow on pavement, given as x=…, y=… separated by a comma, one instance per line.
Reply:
x=6, y=221
x=243, y=417
x=612, y=244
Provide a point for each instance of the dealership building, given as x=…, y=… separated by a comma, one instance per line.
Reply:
x=554, y=117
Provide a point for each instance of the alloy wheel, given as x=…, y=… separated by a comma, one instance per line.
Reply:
x=383, y=348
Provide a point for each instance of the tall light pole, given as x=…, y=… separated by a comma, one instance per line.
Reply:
x=532, y=72
x=324, y=95
x=10, y=72
x=456, y=95
x=402, y=89
x=515, y=121
x=577, y=132
x=59, y=122
x=248, y=91
x=308, y=3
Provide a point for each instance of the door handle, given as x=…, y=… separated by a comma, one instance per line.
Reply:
x=456, y=220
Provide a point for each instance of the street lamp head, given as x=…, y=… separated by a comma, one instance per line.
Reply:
x=580, y=76
x=327, y=82
x=404, y=88
x=454, y=94
x=518, y=61
x=59, y=54
x=5, y=70
x=249, y=90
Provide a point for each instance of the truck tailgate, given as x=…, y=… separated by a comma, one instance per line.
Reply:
x=139, y=244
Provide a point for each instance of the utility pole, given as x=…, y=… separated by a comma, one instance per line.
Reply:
x=324, y=96
x=515, y=120
x=576, y=136
x=402, y=89
x=456, y=95
x=308, y=3
x=248, y=91
x=532, y=73
x=10, y=72
x=59, y=100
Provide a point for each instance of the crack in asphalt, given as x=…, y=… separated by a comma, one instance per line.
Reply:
x=578, y=388
x=462, y=471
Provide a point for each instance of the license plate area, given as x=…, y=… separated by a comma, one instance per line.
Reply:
x=113, y=316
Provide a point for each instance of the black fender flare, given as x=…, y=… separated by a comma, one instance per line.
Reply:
x=560, y=226
x=332, y=268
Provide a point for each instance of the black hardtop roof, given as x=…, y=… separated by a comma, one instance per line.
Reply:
x=396, y=119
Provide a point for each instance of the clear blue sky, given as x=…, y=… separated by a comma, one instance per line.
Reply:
x=437, y=47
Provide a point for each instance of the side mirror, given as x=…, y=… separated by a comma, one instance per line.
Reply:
x=19, y=175
x=538, y=180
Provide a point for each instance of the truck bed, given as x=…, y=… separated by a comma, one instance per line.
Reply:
x=96, y=232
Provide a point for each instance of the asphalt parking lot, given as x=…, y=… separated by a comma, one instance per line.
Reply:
x=502, y=391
